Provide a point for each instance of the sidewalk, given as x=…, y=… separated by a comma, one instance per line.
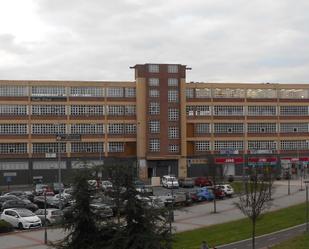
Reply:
x=193, y=217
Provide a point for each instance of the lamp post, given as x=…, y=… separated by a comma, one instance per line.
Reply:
x=289, y=178
x=59, y=167
x=307, y=206
x=45, y=221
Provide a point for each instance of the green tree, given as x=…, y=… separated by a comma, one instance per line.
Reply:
x=144, y=226
x=83, y=228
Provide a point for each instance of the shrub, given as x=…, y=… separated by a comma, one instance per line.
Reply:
x=5, y=227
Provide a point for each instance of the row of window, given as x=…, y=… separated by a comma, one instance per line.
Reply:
x=62, y=91
x=155, y=68
x=252, y=145
x=247, y=93
x=45, y=129
x=73, y=110
x=76, y=147
x=154, y=146
x=219, y=110
x=155, y=82
x=206, y=128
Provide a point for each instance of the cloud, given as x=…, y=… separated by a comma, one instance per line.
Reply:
x=223, y=41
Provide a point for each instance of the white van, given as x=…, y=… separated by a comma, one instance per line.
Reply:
x=170, y=182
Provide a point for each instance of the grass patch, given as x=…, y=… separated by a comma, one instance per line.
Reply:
x=241, y=229
x=299, y=242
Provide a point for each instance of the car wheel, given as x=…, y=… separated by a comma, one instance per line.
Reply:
x=20, y=226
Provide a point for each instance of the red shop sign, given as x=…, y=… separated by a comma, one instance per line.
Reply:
x=262, y=159
x=223, y=160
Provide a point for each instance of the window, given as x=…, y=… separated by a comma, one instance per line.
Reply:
x=202, y=146
x=228, y=110
x=115, y=147
x=262, y=145
x=262, y=93
x=153, y=82
x=228, y=128
x=87, y=91
x=87, y=147
x=202, y=128
x=154, y=126
x=190, y=93
x=115, y=92
x=294, y=145
x=52, y=110
x=293, y=127
x=173, y=132
x=262, y=127
x=15, y=129
x=87, y=128
x=154, y=108
x=130, y=92
x=172, y=96
x=228, y=93
x=130, y=110
x=173, y=148
x=172, y=82
x=47, y=129
x=172, y=68
x=38, y=91
x=262, y=110
x=13, y=91
x=87, y=110
x=153, y=68
x=14, y=165
x=202, y=93
x=293, y=110
x=130, y=128
x=115, y=110
x=13, y=110
x=293, y=94
x=229, y=145
x=115, y=128
x=202, y=110
x=154, y=145
x=48, y=147
x=154, y=93
x=13, y=148
x=173, y=114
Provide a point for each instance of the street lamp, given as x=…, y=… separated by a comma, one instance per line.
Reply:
x=58, y=138
x=45, y=220
x=307, y=206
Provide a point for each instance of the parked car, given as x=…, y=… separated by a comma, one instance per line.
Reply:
x=20, y=194
x=142, y=188
x=41, y=188
x=228, y=190
x=203, y=182
x=218, y=192
x=186, y=182
x=178, y=198
x=101, y=209
x=21, y=218
x=19, y=204
x=57, y=187
x=106, y=185
x=170, y=181
x=53, y=215
x=203, y=194
x=4, y=198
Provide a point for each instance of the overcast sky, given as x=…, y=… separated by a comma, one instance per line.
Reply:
x=222, y=40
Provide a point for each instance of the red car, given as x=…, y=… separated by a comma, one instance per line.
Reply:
x=203, y=182
x=219, y=193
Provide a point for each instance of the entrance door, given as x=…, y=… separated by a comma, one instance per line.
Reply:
x=229, y=169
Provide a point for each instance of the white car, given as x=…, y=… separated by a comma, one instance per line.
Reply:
x=170, y=182
x=228, y=190
x=106, y=185
x=21, y=218
x=53, y=215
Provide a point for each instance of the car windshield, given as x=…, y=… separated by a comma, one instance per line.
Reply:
x=40, y=186
x=26, y=213
x=171, y=179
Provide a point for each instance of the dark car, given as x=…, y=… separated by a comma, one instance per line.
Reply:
x=142, y=188
x=20, y=204
x=20, y=194
x=5, y=198
x=186, y=182
x=57, y=187
x=203, y=182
